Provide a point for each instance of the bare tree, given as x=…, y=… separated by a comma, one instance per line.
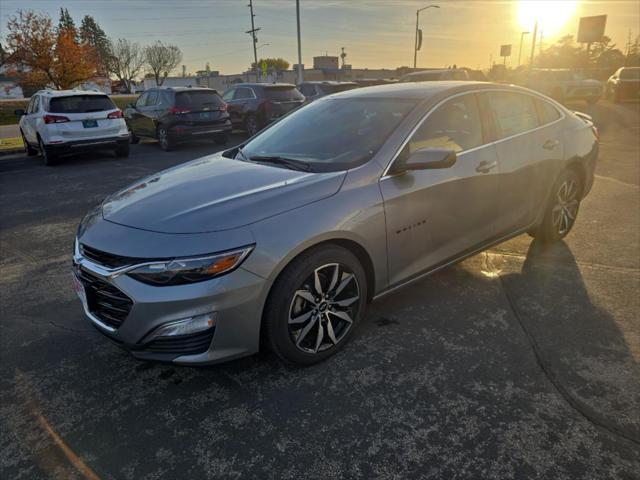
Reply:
x=125, y=61
x=162, y=59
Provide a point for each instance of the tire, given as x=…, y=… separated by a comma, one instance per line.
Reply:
x=123, y=151
x=301, y=342
x=48, y=158
x=163, y=138
x=221, y=139
x=251, y=125
x=30, y=150
x=562, y=209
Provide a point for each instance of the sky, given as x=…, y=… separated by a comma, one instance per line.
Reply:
x=375, y=33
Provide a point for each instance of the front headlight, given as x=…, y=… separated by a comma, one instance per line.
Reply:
x=181, y=271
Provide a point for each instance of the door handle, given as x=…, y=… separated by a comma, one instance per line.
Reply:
x=551, y=144
x=485, y=166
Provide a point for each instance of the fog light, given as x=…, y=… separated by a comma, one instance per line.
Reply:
x=185, y=326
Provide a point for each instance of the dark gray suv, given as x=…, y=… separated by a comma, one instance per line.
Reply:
x=178, y=114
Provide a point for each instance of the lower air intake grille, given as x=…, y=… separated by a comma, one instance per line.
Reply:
x=110, y=305
x=183, y=344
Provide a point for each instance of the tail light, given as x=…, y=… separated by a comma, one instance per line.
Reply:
x=178, y=111
x=55, y=119
x=224, y=107
x=116, y=114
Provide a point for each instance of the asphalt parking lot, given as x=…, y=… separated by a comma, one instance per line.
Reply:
x=521, y=362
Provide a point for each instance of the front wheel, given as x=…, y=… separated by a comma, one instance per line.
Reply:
x=163, y=138
x=30, y=150
x=315, y=305
x=562, y=209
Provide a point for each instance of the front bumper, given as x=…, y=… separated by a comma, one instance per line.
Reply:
x=77, y=146
x=236, y=298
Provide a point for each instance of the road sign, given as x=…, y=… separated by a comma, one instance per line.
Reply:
x=591, y=29
x=505, y=50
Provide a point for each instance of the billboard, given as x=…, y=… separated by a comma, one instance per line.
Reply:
x=505, y=50
x=591, y=29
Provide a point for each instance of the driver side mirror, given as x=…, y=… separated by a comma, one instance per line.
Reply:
x=426, y=159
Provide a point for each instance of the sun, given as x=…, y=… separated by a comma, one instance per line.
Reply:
x=551, y=15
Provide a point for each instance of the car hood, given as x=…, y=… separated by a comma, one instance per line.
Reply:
x=216, y=193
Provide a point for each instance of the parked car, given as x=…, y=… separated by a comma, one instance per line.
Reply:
x=253, y=106
x=173, y=115
x=436, y=75
x=624, y=84
x=62, y=122
x=564, y=85
x=314, y=90
x=288, y=236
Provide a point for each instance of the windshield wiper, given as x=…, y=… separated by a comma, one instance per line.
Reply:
x=287, y=162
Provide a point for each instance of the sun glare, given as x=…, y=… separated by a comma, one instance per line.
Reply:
x=551, y=15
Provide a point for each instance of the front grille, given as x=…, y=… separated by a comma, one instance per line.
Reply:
x=107, y=259
x=110, y=305
x=184, y=344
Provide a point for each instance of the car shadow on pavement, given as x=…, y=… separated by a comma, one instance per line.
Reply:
x=577, y=343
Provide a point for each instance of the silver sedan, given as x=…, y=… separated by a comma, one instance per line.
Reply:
x=282, y=241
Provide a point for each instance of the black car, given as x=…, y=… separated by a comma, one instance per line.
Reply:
x=253, y=106
x=315, y=90
x=178, y=114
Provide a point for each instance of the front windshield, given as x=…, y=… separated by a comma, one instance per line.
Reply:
x=332, y=133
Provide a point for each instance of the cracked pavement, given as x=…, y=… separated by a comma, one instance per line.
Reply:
x=520, y=362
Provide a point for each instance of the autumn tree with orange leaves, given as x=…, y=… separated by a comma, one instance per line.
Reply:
x=41, y=55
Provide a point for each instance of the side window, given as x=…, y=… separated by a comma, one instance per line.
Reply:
x=31, y=103
x=243, y=93
x=142, y=99
x=548, y=113
x=36, y=104
x=152, y=99
x=455, y=125
x=513, y=113
x=228, y=95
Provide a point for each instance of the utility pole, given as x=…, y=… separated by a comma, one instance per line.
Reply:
x=533, y=48
x=299, y=45
x=417, y=44
x=520, y=52
x=255, y=40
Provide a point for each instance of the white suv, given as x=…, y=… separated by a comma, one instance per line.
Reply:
x=59, y=122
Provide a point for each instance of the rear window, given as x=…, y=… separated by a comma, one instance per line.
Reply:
x=198, y=100
x=81, y=104
x=630, y=74
x=283, y=94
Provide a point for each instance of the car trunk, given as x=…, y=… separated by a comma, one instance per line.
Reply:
x=84, y=116
x=200, y=108
x=281, y=99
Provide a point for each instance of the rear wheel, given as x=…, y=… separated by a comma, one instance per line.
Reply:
x=48, y=158
x=163, y=138
x=562, y=209
x=315, y=304
x=30, y=150
x=122, y=151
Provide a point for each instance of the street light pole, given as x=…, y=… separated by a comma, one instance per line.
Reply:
x=520, y=53
x=415, y=45
x=299, y=45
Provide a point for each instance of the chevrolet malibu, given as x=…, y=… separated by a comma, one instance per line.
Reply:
x=281, y=241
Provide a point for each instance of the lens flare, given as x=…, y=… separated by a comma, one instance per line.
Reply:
x=552, y=16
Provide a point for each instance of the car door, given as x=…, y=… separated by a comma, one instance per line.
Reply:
x=241, y=99
x=134, y=115
x=148, y=114
x=435, y=215
x=29, y=121
x=525, y=152
x=233, y=106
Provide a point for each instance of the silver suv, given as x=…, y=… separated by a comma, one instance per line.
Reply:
x=283, y=240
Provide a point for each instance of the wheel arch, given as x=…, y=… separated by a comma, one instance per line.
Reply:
x=577, y=166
